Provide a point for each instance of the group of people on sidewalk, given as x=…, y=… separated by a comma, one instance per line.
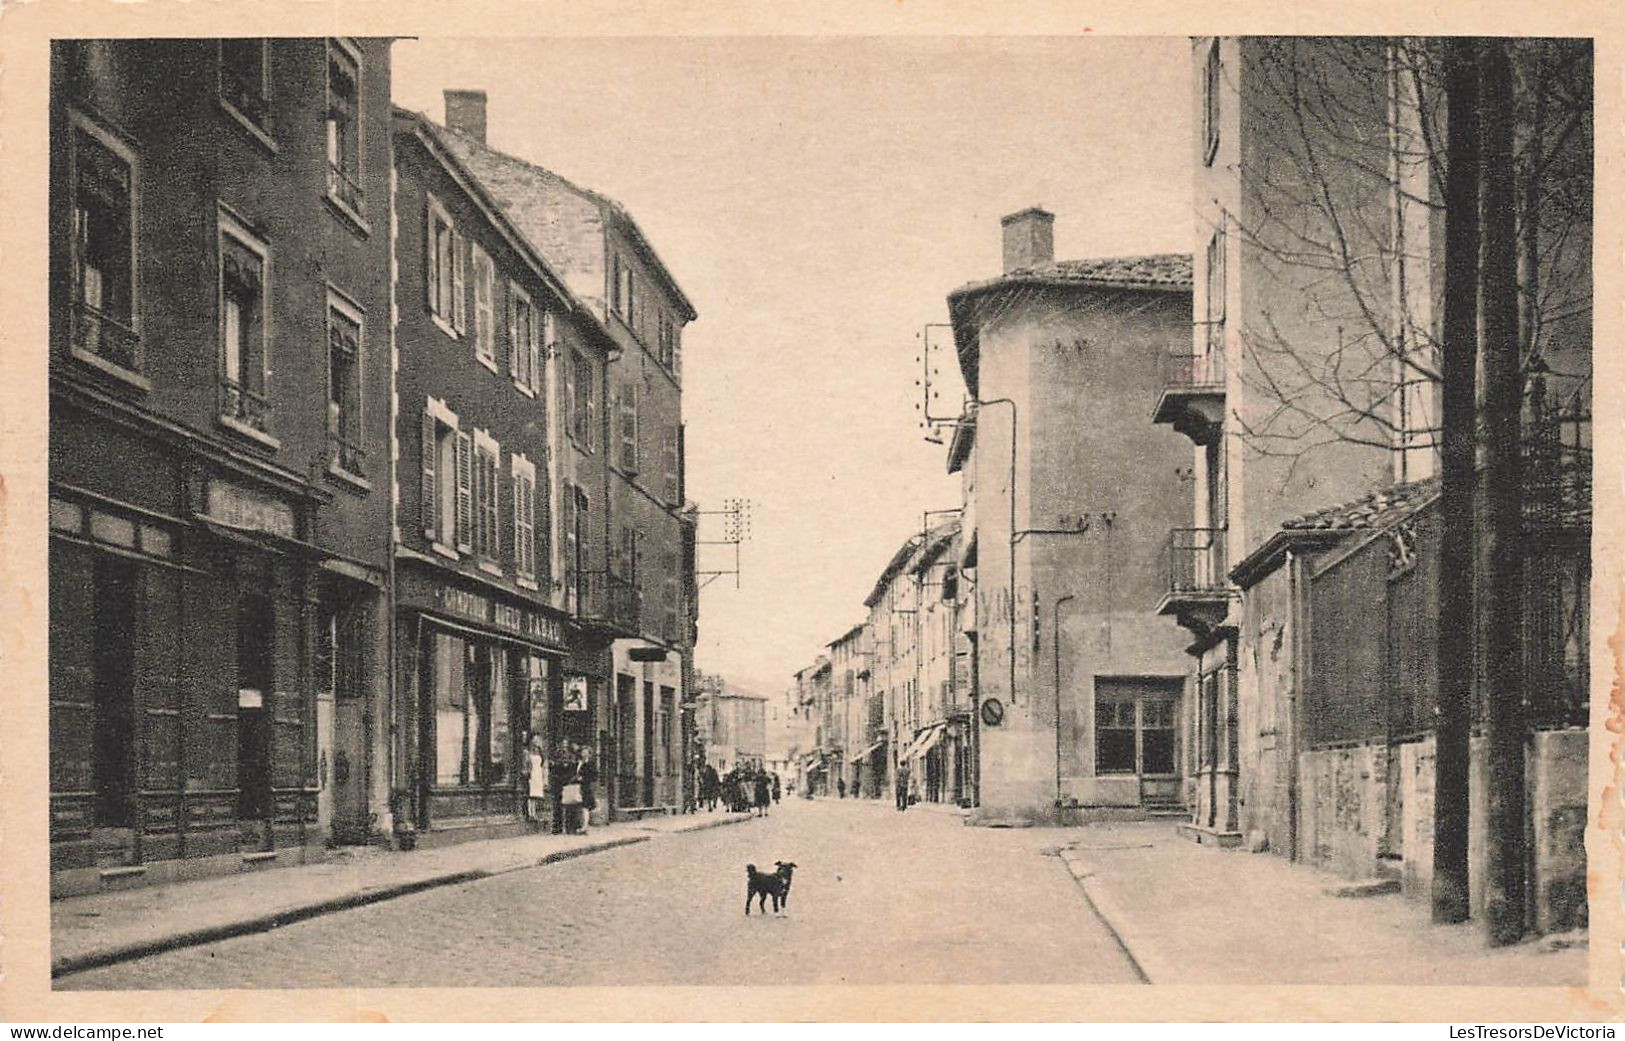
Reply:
x=560, y=788
x=905, y=795
x=743, y=788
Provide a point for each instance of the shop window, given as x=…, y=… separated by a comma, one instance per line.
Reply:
x=344, y=127
x=344, y=327
x=243, y=331
x=451, y=710
x=104, y=247
x=245, y=79
x=256, y=636
x=113, y=671
x=1114, y=735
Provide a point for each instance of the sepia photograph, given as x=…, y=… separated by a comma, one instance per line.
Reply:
x=1068, y=509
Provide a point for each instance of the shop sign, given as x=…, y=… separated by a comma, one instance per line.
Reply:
x=477, y=608
x=242, y=507
x=575, y=694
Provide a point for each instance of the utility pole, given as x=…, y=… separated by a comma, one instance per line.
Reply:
x=1502, y=590
x=1457, y=628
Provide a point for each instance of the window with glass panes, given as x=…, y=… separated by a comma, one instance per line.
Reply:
x=104, y=192
x=245, y=78
x=344, y=385
x=243, y=335
x=344, y=126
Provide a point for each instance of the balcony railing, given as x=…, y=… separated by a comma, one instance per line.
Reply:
x=106, y=337
x=1192, y=397
x=609, y=600
x=248, y=407
x=1195, y=561
x=1204, y=371
x=344, y=188
x=348, y=455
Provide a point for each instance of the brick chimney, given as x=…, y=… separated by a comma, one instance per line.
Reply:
x=465, y=111
x=1029, y=238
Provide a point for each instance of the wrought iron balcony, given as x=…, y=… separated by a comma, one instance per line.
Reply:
x=108, y=338
x=607, y=601
x=247, y=407
x=345, y=189
x=1199, y=591
x=1192, y=397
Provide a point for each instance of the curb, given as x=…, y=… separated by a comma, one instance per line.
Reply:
x=707, y=824
x=287, y=916
x=1146, y=964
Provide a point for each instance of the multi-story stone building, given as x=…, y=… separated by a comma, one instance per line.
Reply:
x=219, y=464
x=1310, y=391
x=631, y=435
x=1068, y=500
x=497, y=641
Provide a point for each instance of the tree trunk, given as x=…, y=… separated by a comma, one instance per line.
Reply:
x=1459, y=349
x=1502, y=593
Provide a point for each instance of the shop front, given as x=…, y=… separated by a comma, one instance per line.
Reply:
x=183, y=729
x=481, y=675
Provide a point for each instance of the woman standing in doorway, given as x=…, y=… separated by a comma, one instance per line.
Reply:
x=585, y=776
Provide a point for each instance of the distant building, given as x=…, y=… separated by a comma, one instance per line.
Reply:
x=733, y=727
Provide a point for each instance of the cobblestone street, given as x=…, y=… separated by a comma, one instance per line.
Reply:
x=879, y=897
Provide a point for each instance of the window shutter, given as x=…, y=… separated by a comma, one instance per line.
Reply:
x=465, y=492
x=534, y=354
x=431, y=444
x=676, y=348
x=493, y=485
x=591, y=397
x=459, y=283
x=672, y=482
x=570, y=418
x=513, y=333
x=431, y=284
x=629, y=427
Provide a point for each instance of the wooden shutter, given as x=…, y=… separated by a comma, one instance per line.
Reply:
x=459, y=283
x=431, y=516
x=465, y=492
x=673, y=485
x=570, y=417
x=533, y=352
x=513, y=333
x=431, y=281
x=629, y=427
x=492, y=507
x=589, y=395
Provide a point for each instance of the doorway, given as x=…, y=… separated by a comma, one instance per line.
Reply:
x=112, y=753
x=256, y=639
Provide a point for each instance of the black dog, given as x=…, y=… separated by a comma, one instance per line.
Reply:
x=760, y=886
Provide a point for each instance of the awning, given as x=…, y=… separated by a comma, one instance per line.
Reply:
x=923, y=741
x=858, y=757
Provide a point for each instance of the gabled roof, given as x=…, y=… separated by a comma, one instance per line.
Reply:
x=1373, y=512
x=523, y=185
x=1152, y=272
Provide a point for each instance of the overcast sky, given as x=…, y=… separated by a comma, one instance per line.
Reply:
x=817, y=198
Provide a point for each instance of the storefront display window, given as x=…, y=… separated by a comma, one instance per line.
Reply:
x=473, y=703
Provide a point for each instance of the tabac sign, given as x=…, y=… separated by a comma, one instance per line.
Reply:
x=249, y=509
x=532, y=625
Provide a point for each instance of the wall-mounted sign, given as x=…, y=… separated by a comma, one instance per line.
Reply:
x=992, y=712
x=243, y=507
x=530, y=624
x=575, y=694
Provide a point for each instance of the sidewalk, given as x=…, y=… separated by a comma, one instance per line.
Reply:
x=88, y=931
x=1193, y=914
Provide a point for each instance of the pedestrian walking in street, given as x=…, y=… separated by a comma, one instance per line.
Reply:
x=840, y=786
x=776, y=788
x=902, y=786
x=764, y=794
x=712, y=787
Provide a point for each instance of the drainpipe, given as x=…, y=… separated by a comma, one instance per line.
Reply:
x=1055, y=638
